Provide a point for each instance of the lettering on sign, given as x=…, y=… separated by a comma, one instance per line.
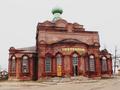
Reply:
x=73, y=49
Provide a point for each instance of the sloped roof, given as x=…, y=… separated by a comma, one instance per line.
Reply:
x=70, y=41
x=28, y=49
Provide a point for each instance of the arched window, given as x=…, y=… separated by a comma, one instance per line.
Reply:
x=104, y=64
x=25, y=64
x=75, y=59
x=91, y=63
x=59, y=59
x=13, y=64
x=48, y=63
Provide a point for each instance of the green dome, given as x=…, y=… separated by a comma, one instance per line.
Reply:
x=57, y=10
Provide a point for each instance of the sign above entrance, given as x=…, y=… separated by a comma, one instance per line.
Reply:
x=73, y=49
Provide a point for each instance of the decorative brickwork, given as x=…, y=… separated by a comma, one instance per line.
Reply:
x=62, y=49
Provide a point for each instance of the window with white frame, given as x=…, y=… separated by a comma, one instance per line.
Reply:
x=25, y=64
x=59, y=59
x=13, y=64
x=104, y=64
x=91, y=63
x=75, y=59
x=48, y=63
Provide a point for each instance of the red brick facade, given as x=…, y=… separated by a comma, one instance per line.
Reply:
x=62, y=49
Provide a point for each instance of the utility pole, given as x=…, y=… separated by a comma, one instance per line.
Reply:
x=115, y=59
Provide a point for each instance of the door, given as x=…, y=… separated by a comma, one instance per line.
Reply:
x=75, y=70
x=75, y=64
x=59, y=64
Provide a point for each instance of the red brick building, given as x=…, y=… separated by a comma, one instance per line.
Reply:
x=62, y=49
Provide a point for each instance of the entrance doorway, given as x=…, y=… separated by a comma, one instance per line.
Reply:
x=75, y=64
x=75, y=70
x=59, y=64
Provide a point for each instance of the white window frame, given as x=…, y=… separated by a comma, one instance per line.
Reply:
x=48, y=61
x=75, y=59
x=91, y=63
x=25, y=64
x=59, y=59
x=104, y=64
x=13, y=64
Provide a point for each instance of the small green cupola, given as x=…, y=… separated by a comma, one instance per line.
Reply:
x=57, y=11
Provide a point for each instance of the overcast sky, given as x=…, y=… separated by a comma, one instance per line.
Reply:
x=19, y=18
